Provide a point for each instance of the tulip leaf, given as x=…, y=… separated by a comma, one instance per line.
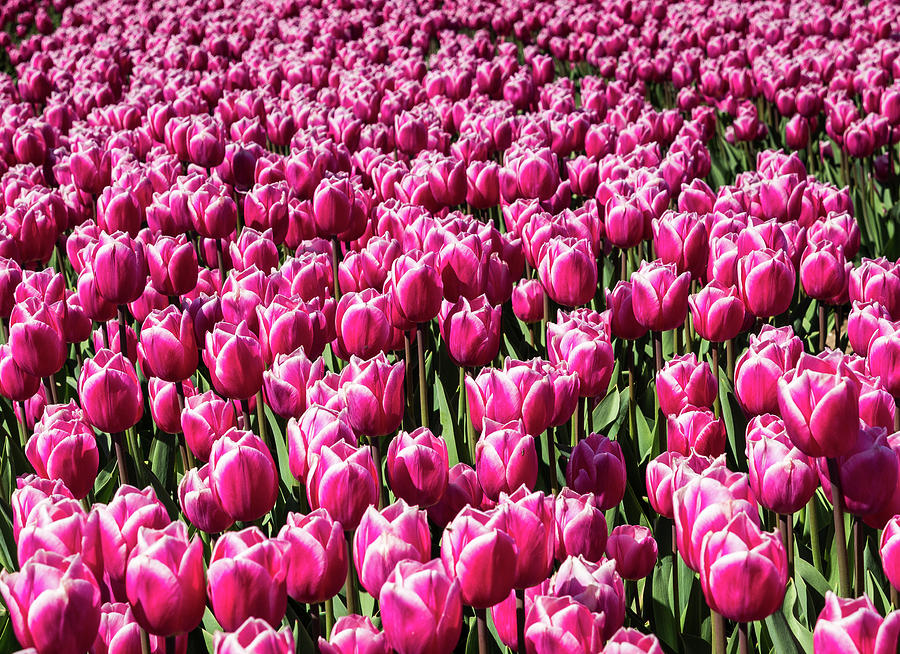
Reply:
x=782, y=636
x=607, y=411
x=302, y=639
x=8, y=556
x=664, y=625
x=472, y=637
x=161, y=458
x=162, y=492
x=8, y=642
x=811, y=576
x=645, y=436
x=281, y=450
x=447, y=423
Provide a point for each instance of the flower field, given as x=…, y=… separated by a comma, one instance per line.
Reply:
x=477, y=326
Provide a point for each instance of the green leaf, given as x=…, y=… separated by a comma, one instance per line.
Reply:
x=782, y=637
x=607, y=411
x=811, y=576
x=664, y=625
x=281, y=450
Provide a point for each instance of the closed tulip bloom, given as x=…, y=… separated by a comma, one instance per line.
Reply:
x=254, y=248
x=518, y=392
x=771, y=354
x=584, y=346
x=820, y=412
x=242, y=475
x=782, y=477
x=462, y=489
x=888, y=548
x=884, y=356
x=285, y=384
x=373, y=394
x=876, y=280
x=704, y=505
x=863, y=323
x=667, y=473
x=65, y=450
x=10, y=277
x=246, y=578
x=363, y=324
x=317, y=427
x=254, y=636
x=36, y=338
x=332, y=206
x=287, y=324
x=421, y=609
x=528, y=300
x=717, y=312
x=316, y=560
x=684, y=381
x=478, y=557
x=597, y=586
x=199, y=503
x=505, y=458
x=266, y=208
x=213, y=211
x=58, y=525
x=15, y=384
x=354, y=634
x=695, y=430
x=471, y=331
x=736, y=558
x=634, y=550
x=234, y=358
x=418, y=467
x=625, y=222
x=854, y=626
x=384, y=538
x=528, y=518
x=868, y=472
x=110, y=392
x=766, y=280
x=205, y=418
x=597, y=466
x=623, y=323
x=167, y=348
x=53, y=603
x=681, y=239
x=30, y=491
x=659, y=296
x=632, y=641
x=164, y=580
x=119, y=632
x=415, y=287
x=343, y=480
x=560, y=624
x=120, y=270
x=581, y=528
x=568, y=271
x=173, y=265
x=822, y=270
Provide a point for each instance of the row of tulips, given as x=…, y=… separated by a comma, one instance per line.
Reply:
x=251, y=254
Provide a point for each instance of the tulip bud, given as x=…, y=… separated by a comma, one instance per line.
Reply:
x=634, y=550
x=782, y=477
x=242, y=475
x=561, y=624
x=462, y=489
x=199, y=503
x=418, y=467
x=684, y=381
x=717, y=312
x=354, y=634
x=854, y=626
x=36, y=338
x=234, y=358
x=568, y=271
x=528, y=300
x=695, y=430
x=659, y=297
x=205, y=418
x=597, y=586
x=505, y=458
x=597, y=466
x=110, y=392
x=173, y=265
x=580, y=526
x=316, y=561
x=471, y=331
x=415, y=287
x=256, y=636
x=167, y=348
x=373, y=393
x=65, y=450
x=343, y=480
x=528, y=518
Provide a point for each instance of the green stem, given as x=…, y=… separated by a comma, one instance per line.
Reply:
x=350, y=587
x=718, y=632
x=423, y=391
x=261, y=419
x=812, y=514
x=840, y=534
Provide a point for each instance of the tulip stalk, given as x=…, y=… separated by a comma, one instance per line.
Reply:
x=187, y=457
x=261, y=418
x=335, y=253
x=786, y=528
x=812, y=514
x=467, y=426
x=481, y=623
x=742, y=638
x=859, y=547
x=718, y=632
x=120, y=457
x=423, y=395
x=551, y=459
x=520, y=620
x=840, y=534
x=145, y=641
x=822, y=323
x=23, y=432
x=350, y=587
x=220, y=256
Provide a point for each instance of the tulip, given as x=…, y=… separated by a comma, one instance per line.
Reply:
x=632, y=641
x=471, y=331
x=254, y=248
x=286, y=325
x=266, y=208
x=568, y=271
x=119, y=632
x=242, y=475
x=518, y=392
x=57, y=525
x=173, y=265
x=560, y=624
x=372, y=391
x=667, y=473
x=418, y=467
x=65, y=450
x=528, y=300
x=343, y=480
x=316, y=561
x=53, y=603
x=681, y=239
x=823, y=273
x=782, y=477
x=820, y=412
x=199, y=503
x=659, y=296
x=853, y=626
x=285, y=384
x=462, y=489
x=234, y=358
x=246, y=578
x=863, y=323
x=623, y=323
x=580, y=526
x=597, y=466
x=684, y=381
x=354, y=634
x=884, y=356
x=164, y=580
x=167, y=348
x=528, y=518
x=120, y=270
x=771, y=354
x=36, y=338
x=717, y=312
x=317, y=427
x=598, y=587
x=421, y=609
x=205, y=418
x=505, y=458
x=110, y=392
x=584, y=346
x=332, y=206
x=415, y=287
x=766, y=281
x=634, y=550
x=255, y=636
x=695, y=430
x=738, y=556
x=888, y=549
x=384, y=538
x=363, y=324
